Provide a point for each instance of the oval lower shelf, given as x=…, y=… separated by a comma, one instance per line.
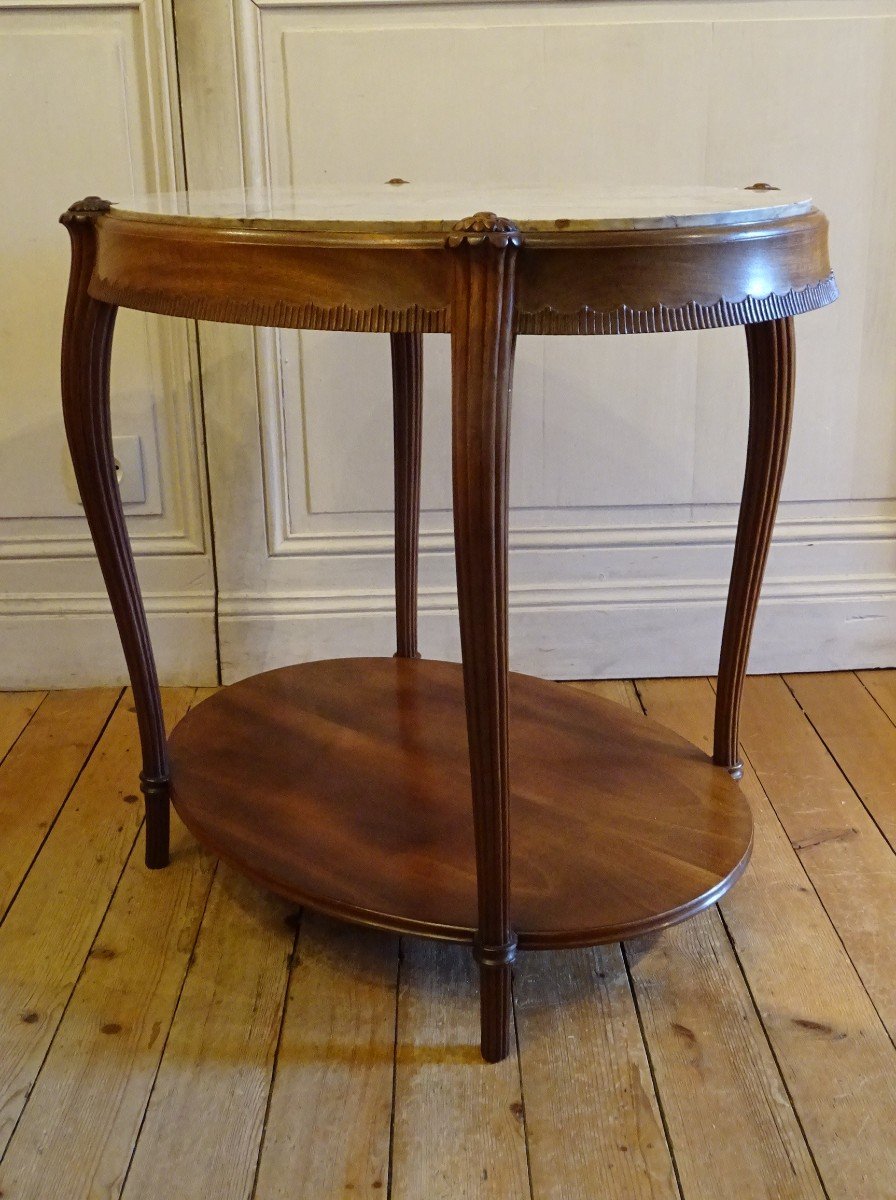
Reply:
x=345, y=785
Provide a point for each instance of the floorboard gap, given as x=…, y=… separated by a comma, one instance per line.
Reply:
x=296, y=922
x=180, y=992
x=840, y=768
x=399, y=960
x=88, y=756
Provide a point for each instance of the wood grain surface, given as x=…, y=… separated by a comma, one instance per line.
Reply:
x=737, y=1054
x=345, y=784
x=441, y=1083
x=335, y=1059
x=16, y=710
x=388, y=279
x=857, y=732
x=650, y=837
x=39, y=771
x=63, y=899
x=710, y=1056
x=483, y=344
x=830, y=829
x=240, y=965
x=86, y=410
x=821, y=1023
x=771, y=351
x=407, y=441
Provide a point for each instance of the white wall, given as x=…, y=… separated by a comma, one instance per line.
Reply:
x=89, y=106
x=627, y=453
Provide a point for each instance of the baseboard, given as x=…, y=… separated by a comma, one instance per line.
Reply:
x=598, y=631
x=59, y=642
x=806, y=625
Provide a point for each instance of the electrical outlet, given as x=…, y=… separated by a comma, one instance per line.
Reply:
x=128, y=469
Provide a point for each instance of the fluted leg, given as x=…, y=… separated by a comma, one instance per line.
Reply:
x=407, y=418
x=86, y=351
x=771, y=352
x=482, y=345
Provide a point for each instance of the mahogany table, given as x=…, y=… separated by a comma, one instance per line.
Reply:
x=455, y=802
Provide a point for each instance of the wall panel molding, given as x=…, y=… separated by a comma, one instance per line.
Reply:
x=305, y=538
x=650, y=9
x=596, y=595
x=61, y=604
x=173, y=520
x=561, y=537
x=96, y=110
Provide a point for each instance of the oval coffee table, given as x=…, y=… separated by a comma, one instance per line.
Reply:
x=454, y=802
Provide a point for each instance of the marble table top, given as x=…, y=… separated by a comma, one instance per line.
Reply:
x=431, y=206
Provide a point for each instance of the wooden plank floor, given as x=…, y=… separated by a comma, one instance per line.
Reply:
x=181, y=1034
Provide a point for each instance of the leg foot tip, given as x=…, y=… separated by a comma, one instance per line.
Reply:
x=737, y=771
x=494, y=1054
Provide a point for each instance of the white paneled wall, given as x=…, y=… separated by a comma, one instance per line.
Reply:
x=89, y=106
x=627, y=453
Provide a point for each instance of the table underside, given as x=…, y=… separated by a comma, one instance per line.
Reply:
x=345, y=785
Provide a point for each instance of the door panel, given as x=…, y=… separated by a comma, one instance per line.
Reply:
x=89, y=102
x=626, y=453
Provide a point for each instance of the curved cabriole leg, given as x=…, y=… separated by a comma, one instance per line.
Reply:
x=482, y=345
x=407, y=422
x=86, y=351
x=771, y=352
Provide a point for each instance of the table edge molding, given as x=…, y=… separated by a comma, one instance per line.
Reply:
x=382, y=280
x=723, y=313
x=747, y=310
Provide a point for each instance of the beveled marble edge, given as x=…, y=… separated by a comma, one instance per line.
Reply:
x=411, y=210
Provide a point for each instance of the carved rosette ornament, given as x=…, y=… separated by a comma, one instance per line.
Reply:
x=485, y=227
x=82, y=210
